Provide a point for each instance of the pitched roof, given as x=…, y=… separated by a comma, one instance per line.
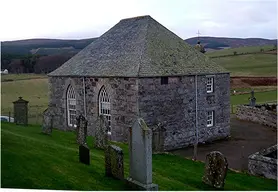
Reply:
x=138, y=47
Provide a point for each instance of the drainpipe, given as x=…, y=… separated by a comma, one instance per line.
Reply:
x=84, y=91
x=196, y=121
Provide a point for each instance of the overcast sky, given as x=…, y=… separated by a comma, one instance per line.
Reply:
x=66, y=19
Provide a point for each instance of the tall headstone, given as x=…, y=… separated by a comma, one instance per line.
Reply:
x=47, y=124
x=81, y=130
x=114, y=162
x=21, y=111
x=252, y=99
x=140, y=157
x=101, y=134
x=215, y=169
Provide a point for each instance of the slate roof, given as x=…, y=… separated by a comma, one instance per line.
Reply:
x=138, y=47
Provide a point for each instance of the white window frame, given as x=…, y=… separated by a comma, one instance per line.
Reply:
x=210, y=84
x=105, y=106
x=71, y=107
x=210, y=118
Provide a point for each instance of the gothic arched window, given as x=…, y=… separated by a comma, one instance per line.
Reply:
x=71, y=107
x=104, y=106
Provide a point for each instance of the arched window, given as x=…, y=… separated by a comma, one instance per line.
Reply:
x=71, y=106
x=104, y=106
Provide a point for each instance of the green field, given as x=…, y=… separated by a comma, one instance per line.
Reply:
x=247, y=49
x=33, y=90
x=31, y=160
x=23, y=76
x=250, y=65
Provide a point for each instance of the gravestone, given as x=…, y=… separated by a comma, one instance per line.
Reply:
x=215, y=169
x=81, y=130
x=140, y=157
x=21, y=111
x=158, y=138
x=101, y=134
x=114, y=162
x=84, y=154
x=47, y=124
x=252, y=99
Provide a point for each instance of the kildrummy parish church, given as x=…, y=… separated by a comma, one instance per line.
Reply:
x=140, y=68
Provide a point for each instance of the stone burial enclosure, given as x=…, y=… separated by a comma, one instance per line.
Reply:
x=264, y=163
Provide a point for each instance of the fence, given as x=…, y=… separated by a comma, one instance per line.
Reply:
x=35, y=114
x=234, y=106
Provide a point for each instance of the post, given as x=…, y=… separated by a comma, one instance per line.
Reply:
x=9, y=116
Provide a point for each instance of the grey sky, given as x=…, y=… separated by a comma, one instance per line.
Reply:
x=65, y=19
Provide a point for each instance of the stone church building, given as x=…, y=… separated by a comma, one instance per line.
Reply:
x=140, y=68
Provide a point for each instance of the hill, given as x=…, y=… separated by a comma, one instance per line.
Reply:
x=31, y=160
x=225, y=42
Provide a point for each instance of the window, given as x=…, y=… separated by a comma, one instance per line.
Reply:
x=164, y=80
x=210, y=118
x=104, y=106
x=71, y=106
x=209, y=84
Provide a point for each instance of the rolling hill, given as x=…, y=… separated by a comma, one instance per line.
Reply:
x=59, y=46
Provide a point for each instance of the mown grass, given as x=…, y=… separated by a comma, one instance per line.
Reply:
x=250, y=65
x=31, y=160
x=247, y=49
x=261, y=97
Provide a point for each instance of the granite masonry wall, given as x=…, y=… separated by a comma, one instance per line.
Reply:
x=257, y=115
x=173, y=105
x=122, y=93
x=264, y=163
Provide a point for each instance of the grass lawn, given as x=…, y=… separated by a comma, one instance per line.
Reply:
x=33, y=90
x=23, y=76
x=248, y=49
x=261, y=97
x=250, y=65
x=31, y=160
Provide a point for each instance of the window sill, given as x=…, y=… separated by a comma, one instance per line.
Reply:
x=209, y=125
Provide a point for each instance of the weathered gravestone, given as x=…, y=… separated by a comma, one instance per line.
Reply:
x=47, y=124
x=21, y=111
x=101, y=134
x=140, y=157
x=84, y=154
x=252, y=99
x=81, y=130
x=158, y=138
x=215, y=169
x=114, y=162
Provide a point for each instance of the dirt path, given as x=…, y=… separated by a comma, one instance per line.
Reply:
x=246, y=139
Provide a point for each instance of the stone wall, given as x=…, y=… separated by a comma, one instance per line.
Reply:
x=174, y=103
x=257, y=115
x=262, y=164
x=122, y=93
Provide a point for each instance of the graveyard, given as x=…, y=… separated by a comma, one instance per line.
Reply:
x=32, y=160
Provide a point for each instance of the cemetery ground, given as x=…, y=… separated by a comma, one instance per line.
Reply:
x=32, y=160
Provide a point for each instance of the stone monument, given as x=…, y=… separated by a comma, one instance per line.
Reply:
x=140, y=157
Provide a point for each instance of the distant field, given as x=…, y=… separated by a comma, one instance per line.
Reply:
x=261, y=97
x=251, y=49
x=15, y=77
x=33, y=90
x=250, y=65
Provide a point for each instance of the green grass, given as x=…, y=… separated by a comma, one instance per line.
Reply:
x=261, y=97
x=33, y=90
x=248, y=49
x=250, y=65
x=23, y=76
x=31, y=160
